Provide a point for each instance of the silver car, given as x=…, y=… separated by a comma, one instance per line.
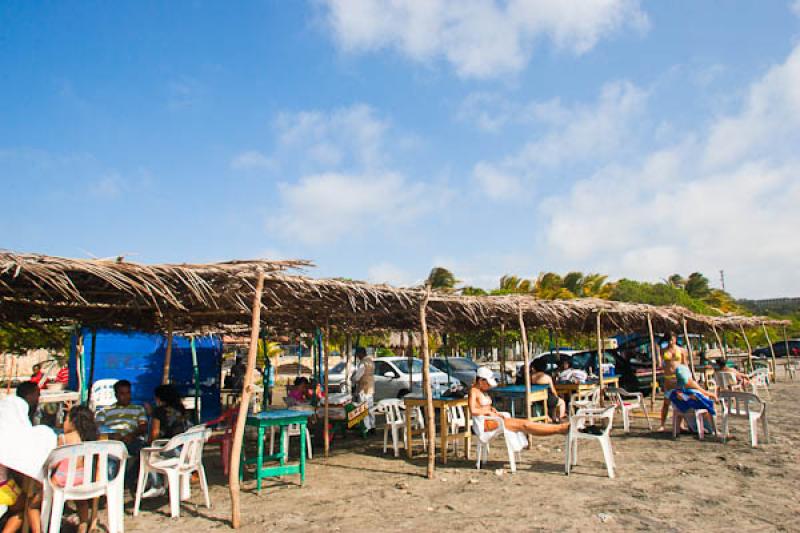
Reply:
x=392, y=377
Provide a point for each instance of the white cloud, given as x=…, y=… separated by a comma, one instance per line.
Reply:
x=346, y=184
x=252, y=160
x=325, y=207
x=725, y=199
x=795, y=7
x=574, y=134
x=480, y=38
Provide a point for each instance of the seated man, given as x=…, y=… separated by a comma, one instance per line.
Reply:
x=129, y=422
x=689, y=395
x=567, y=374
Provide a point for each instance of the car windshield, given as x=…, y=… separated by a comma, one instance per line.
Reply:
x=462, y=364
x=402, y=365
x=339, y=368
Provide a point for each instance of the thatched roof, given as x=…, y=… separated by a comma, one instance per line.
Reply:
x=218, y=297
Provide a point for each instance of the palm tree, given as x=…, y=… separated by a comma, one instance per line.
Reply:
x=675, y=280
x=514, y=284
x=697, y=285
x=472, y=291
x=595, y=286
x=442, y=279
x=550, y=286
x=573, y=282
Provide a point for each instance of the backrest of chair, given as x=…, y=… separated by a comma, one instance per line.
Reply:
x=760, y=377
x=191, y=445
x=394, y=411
x=455, y=414
x=92, y=475
x=103, y=394
x=725, y=380
x=742, y=404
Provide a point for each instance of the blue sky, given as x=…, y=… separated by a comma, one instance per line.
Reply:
x=382, y=138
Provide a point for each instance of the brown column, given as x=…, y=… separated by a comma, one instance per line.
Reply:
x=688, y=348
x=325, y=430
x=167, y=354
x=525, y=364
x=654, y=355
x=426, y=383
x=772, y=351
x=247, y=391
x=503, y=353
x=749, y=349
x=600, y=351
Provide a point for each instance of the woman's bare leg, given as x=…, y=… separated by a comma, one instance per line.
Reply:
x=535, y=428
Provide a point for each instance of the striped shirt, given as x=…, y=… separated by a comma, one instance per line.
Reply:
x=125, y=420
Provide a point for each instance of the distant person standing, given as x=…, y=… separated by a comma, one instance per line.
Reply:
x=38, y=376
x=238, y=370
x=364, y=383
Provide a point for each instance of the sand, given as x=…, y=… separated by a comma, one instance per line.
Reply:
x=662, y=485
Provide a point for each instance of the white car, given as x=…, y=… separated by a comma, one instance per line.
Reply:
x=391, y=377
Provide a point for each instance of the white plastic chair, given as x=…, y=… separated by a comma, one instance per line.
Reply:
x=94, y=483
x=457, y=420
x=744, y=405
x=726, y=381
x=791, y=368
x=627, y=402
x=103, y=394
x=292, y=430
x=584, y=400
x=759, y=383
x=178, y=469
x=515, y=441
x=578, y=422
x=695, y=415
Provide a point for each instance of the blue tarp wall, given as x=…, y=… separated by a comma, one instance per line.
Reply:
x=139, y=358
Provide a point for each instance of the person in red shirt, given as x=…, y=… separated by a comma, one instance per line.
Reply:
x=38, y=376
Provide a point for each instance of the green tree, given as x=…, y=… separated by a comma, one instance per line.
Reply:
x=472, y=291
x=442, y=279
x=697, y=285
x=513, y=285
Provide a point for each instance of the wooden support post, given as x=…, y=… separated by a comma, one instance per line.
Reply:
x=749, y=349
x=719, y=342
x=196, y=378
x=410, y=357
x=600, y=352
x=80, y=365
x=348, y=366
x=688, y=348
x=430, y=423
x=786, y=342
x=772, y=351
x=247, y=391
x=167, y=354
x=91, y=363
x=653, y=355
x=326, y=430
x=503, y=353
x=525, y=358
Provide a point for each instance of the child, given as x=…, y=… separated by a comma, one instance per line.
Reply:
x=79, y=426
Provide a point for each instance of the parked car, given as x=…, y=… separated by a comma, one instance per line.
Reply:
x=461, y=369
x=780, y=349
x=391, y=377
x=585, y=360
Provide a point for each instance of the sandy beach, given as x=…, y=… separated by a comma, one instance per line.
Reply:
x=662, y=485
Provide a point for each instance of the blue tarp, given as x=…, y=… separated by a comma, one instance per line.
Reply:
x=139, y=358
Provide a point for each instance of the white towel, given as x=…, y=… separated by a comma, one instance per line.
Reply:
x=23, y=448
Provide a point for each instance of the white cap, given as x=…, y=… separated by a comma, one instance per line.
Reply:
x=488, y=375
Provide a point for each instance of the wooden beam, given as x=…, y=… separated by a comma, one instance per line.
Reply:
x=526, y=363
x=167, y=354
x=325, y=430
x=653, y=355
x=247, y=391
x=719, y=342
x=600, y=351
x=503, y=353
x=786, y=342
x=688, y=347
x=749, y=349
x=430, y=423
x=772, y=350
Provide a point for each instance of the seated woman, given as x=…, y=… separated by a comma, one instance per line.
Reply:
x=689, y=395
x=556, y=407
x=480, y=404
x=726, y=366
x=300, y=392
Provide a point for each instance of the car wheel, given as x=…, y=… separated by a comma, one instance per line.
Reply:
x=401, y=393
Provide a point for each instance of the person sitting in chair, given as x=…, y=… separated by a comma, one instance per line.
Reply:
x=480, y=404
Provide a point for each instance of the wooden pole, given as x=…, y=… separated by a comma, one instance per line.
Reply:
x=503, y=353
x=325, y=429
x=91, y=363
x=10, y=373
x=688, y=347
x=772, y=351
x=786, y=341
x=410, y=357
x=348, y=366
x=247, y=390
x=719, y=342
x=196, y=378
x=80, y=364
x=426, y=383
x=167, y=354
x=600, y=350
x=749, y=349
x=653, y=355
x=525, y=364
